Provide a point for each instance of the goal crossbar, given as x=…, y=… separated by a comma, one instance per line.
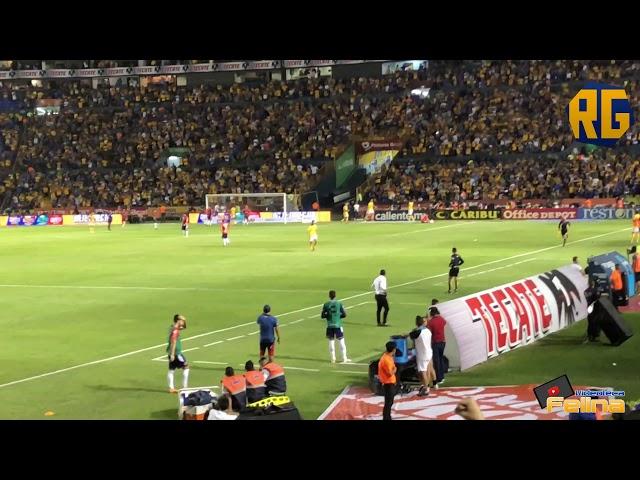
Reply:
x=283, y=196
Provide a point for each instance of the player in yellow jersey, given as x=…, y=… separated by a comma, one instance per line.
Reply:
x=636, y=228
x=312, y=230
x=370, y=211
x=410, y=211
x=233, y=214
x=345, y=212
x=92, y=222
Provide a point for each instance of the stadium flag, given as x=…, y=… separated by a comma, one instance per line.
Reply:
x=373, y=155
x=345, y=165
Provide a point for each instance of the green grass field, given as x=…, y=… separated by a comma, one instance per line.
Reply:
x=84, y=315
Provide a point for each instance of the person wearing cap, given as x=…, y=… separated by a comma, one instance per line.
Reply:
x=256, y=388
x=268, y=332
x=387, y=376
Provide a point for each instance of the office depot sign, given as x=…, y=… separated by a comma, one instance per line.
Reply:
x=540, y=214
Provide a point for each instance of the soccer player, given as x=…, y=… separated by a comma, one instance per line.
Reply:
x=313, y=235
x=268, y=332
x=233, y=213
x=333, y=312
x=356, y=210
x=174, y=350
x=410, y=211
x=209, y=214
x=345, y=212
x=185, y=224
x=245, y=215
x=370, y=210
x=125, y=217
x=563, y=227
x=636, y=228
x=156, y=218
x=109, y=220
x=92, y=222
x=224, y=228
x=454, y=268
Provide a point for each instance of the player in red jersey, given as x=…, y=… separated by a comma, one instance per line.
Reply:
x=209, y=213
x=245, y=215
x=185, y=224
x=224, y=228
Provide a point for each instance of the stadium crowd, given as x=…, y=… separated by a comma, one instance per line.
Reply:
x=606, y=174
x=107, y=146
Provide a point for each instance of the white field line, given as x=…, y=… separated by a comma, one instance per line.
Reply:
x=366, y=357
x=430, y=229
x=303, y=369
x=351, y=371
x=334, y=403
x=255, y=332
x=189, y=349
x=108, y=359
x=135, y=287
x=205, y=361
x=491, y=270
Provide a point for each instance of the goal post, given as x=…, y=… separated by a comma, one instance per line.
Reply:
x=279, y=204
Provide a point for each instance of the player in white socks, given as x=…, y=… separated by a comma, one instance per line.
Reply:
x=333, y=312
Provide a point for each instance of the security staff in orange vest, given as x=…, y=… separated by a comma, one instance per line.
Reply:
x=256, y=388
x=236, y=387
x=617, y=286
x=387, y=376
x=273, y=377
x=635, y=261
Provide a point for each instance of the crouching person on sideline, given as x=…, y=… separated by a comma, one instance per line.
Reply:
x=273, y=377
x=236, y=388
x=256, y=388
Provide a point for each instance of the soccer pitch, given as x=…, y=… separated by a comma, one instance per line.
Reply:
x=85, y=317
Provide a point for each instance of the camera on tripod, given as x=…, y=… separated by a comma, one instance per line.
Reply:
x=631, y=251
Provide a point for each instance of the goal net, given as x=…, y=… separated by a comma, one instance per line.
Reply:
x=254, y=207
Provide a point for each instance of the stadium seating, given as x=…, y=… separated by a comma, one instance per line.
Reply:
x=105, y=148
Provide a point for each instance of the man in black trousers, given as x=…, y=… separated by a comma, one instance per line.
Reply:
x=387, y=375
x=380, y=287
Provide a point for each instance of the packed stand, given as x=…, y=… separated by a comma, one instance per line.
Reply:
x=603, y=174
x=109, y=142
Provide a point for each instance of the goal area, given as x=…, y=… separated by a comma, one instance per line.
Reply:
x=263, y=207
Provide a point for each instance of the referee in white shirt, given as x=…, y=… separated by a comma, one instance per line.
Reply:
x=380, y=287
